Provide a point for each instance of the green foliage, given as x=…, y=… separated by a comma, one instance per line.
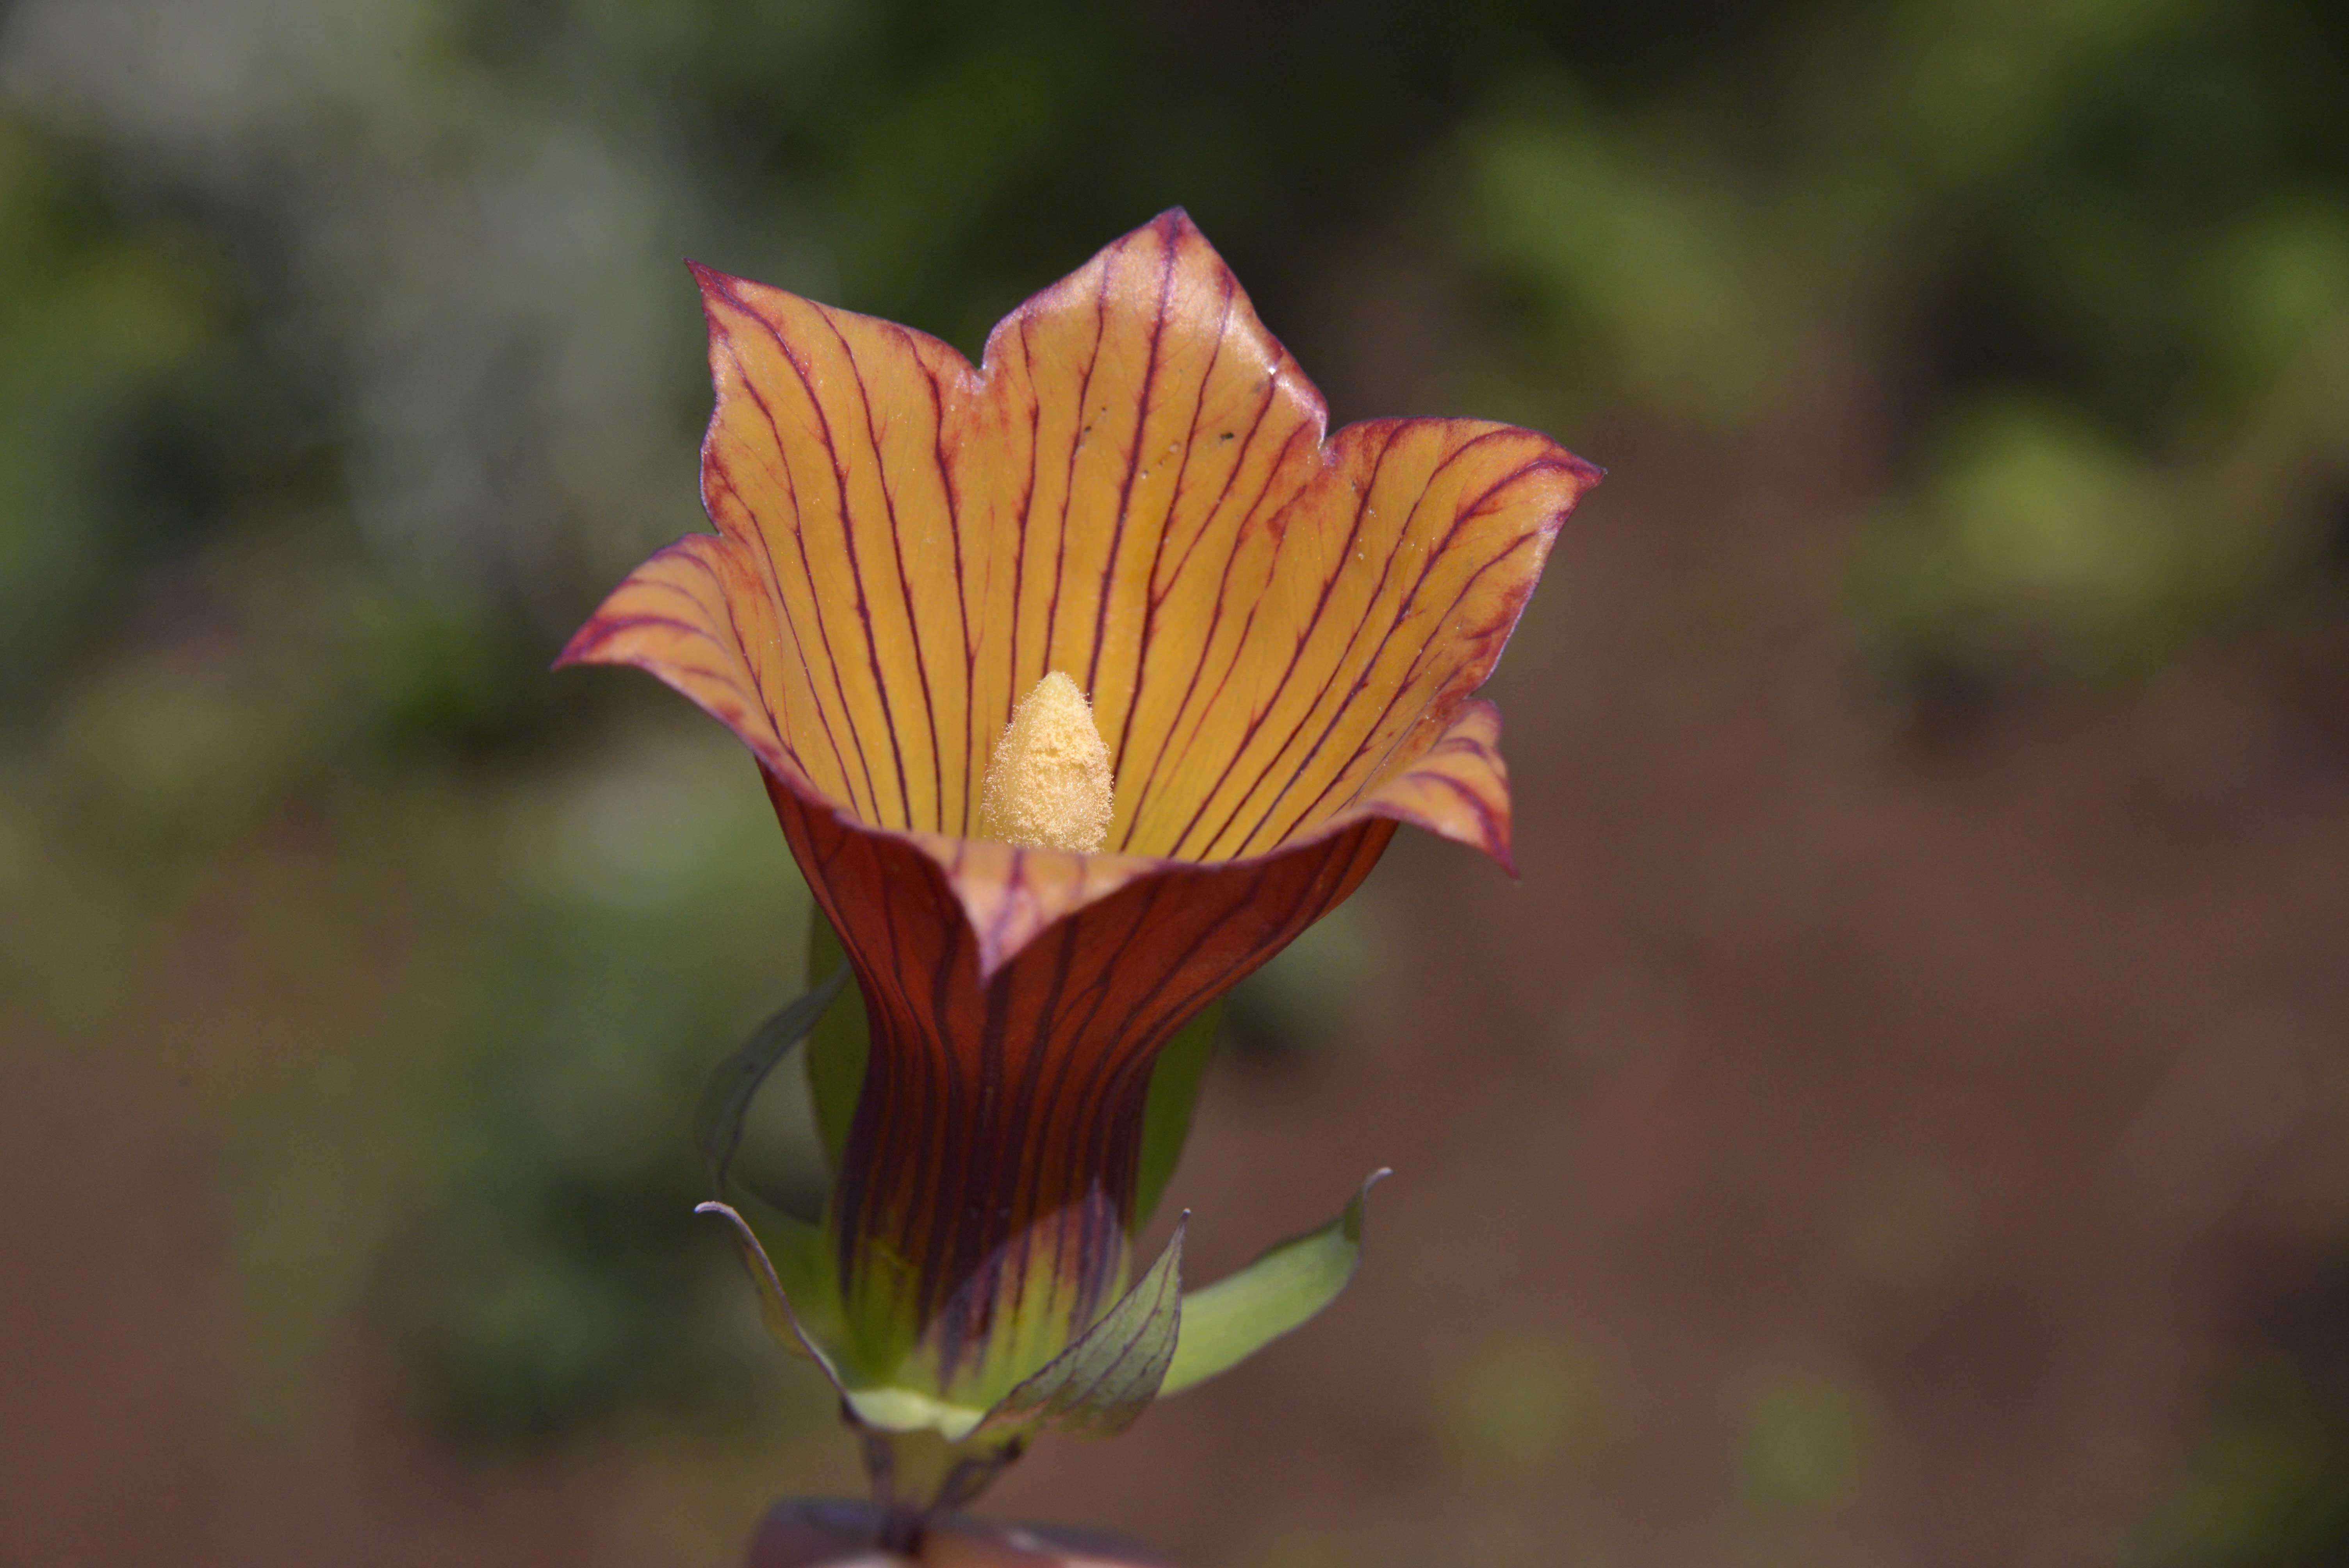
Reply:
x=99, y=316
x=2267, y=1486
x=2093, y=251
x=1521, y=1402
x=1804, y=1444
x=1226, y=1323
x=1637, y=268
x=551, y=1272
x=2032, y=538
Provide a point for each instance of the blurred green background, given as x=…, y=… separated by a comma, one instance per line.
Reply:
x=1901, y=1116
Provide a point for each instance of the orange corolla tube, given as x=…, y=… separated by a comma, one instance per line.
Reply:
x=1278, y=634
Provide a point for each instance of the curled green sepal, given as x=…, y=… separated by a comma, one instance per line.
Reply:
x=802, y=1273
x=1226, y=1323
x=1109, y=1374
x=725, y=1101
x=1096, y=1387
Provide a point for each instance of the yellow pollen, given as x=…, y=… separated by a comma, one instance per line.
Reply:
x=1048, y=784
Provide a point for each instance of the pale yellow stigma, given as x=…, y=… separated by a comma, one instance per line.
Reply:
x=1048, y=784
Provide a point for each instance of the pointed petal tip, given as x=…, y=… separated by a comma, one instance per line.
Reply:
x=709, y=282
x=716, y=286
x=577, y=650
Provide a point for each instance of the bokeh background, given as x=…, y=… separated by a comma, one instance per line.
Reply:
x=1901, y=1116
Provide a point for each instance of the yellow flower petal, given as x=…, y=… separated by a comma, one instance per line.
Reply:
x=1134, y=488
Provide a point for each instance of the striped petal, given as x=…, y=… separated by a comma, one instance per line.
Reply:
x=1278, y=631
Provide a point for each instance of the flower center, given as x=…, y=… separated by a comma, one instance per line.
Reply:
x=1048, y=784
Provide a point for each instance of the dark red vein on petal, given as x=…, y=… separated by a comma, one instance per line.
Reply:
x=1027, y=505
x=608, y=625
x=1076, y=445
x=1150, y=595
x=1452, y=683
x=848, y=541
x=741, y=643
x=904, y=584
x=1489, y=824
x=713, y=460
x=1040, y=1105
x=1468, y=646
x=962, y=589
x=948, y=1205
x=1214, y=614
x=1514, y=606
x=1305, y=636
x=1248, y=443
x=1345, y=703
x=1132, y=467
x=1214, y=621
x=713, y=456
x=1019, y=1149
x=1045, y=1106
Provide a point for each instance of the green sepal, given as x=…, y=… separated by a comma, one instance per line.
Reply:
x=803, y=1272
x=1226, y=1323
x=1109, y=1374
x=798, y=1297
x=734, y=1084
x=1095, y=1386
x=1174, y=1096
x=806, y=1266
x=836, y=1048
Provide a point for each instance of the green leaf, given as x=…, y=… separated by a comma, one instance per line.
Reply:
x=725, y=1101
x=1226, y=1323
x=1109, y=1374
x=835, y=1053
x=1167, y=1114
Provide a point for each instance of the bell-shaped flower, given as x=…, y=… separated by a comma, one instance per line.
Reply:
x=1082, y=680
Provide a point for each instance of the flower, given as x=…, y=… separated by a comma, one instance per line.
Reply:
x=1131, y=498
